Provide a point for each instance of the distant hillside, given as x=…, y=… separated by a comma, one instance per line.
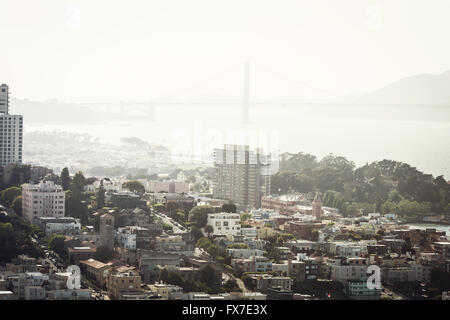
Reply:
x=423, y=89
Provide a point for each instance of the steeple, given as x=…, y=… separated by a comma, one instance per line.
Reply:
x=317, y=206
x=318, y=197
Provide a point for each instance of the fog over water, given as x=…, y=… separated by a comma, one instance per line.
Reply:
x=384, y=51
x=415, y=135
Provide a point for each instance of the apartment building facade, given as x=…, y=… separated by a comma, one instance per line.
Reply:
x=241, y=176
x=11, y=131
x=45, y=199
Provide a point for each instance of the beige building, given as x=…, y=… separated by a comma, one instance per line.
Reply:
x=45, y=199
x=122, y=281
x=167, y=186
x=96, y=270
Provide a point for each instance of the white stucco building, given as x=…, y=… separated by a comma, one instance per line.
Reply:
x=42, y=200
x=225, y=224
x=126, y=237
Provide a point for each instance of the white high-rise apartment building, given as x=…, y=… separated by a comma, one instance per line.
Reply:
x=45, y=199
x=11, y=131
x=4, y=99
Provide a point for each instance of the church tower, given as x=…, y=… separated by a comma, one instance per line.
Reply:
x=317, y=206
x=107, y=231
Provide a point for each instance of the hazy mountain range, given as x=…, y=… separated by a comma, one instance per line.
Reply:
x=422, y=89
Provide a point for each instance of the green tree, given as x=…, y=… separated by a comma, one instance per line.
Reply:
x=440, y=279
x=78, y=182
x=229, y=207
x=191, y=179
x=245, y=216
x=395, y=196
x=196, y=233
x=203, y=243
x=209, y=229
x=104, y=254
x=8, y=195
x=101, y=196
x=199, y=215
x=231, y=286
x=213, y=250
x=8, y=239
x=134, y=186
x=159, y=207
x=172, y=207
x=76, y=205
x=297, y=162
x=56, y=243
x=333, y=290
x=65, y=179
x=208, y=276
x=17, y=205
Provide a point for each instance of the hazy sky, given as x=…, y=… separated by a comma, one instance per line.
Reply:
x=106, y=49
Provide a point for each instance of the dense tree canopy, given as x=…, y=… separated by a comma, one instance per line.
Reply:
x=134, y=186
x=56, y=243
x=17, y=205
x=8, y=195
x=229, y=207
x=199, y=215
x=65, y=179
x=383, y=186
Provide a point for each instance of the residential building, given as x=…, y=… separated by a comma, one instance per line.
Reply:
x=11, y=131
x=126, y=238
x=76, y=254
x=121, y=281
x=4, y=99
x=346, y=269
x=443, y=249
x=249, y=232
x=69, y=294
x=262, y=282
x=45, y=199
x=167, y=186
x=241, y=176
x=243, y=253
x=60, y=225
x=174, y=244
x=124, y=199
x=225, y=223
x=285, y=204
x=149, y=263
x=358, y=290
x=95, y=270
x=167, y=291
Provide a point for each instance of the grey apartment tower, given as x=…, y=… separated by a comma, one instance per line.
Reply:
x=11, y=131
x=241, y=176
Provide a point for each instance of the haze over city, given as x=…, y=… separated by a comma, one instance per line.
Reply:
x=222, y=151
x=141, y=50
